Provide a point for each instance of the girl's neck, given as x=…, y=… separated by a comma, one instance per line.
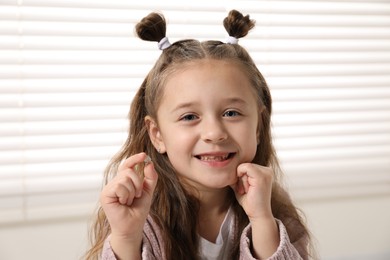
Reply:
x=212, y=211
x=214, y=200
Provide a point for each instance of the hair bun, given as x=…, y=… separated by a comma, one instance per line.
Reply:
x=238, y=25
x=152, y=27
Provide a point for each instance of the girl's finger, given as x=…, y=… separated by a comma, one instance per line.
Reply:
x=151, y=177
x=133, y=161
x=132, y=180
x=244, y=183
x=245, y=169
x=124, y=194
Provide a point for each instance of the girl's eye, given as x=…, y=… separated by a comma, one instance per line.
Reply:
x=231, y=113
x=188, y=117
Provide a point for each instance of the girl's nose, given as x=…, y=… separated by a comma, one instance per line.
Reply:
x=213, y=131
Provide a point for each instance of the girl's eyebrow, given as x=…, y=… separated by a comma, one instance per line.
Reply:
x=236, y=100
x=233, y=100
x=183, y=105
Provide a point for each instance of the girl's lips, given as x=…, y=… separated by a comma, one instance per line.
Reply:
x=211, y=157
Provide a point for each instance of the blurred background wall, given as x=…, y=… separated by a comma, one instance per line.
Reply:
x=69, y=69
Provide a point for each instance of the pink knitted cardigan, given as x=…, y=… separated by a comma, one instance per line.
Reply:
x=152, y=247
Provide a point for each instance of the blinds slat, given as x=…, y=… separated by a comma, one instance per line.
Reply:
x=337, y=81
x=123, y=15
x=323, y=130
x=9, y=27
x=65, y=99
x=318, y=7
x=312, y=43
x=10, y=187
x=336, y=153
x=333, y=94
x=303, y=143
x=58, y=155
x=62, y=113
x=69, y=127
x=61, y=141
x=8, y=12
x=72, y=71
x=315, y=7
x=12, y=209
x=201, y=5
x=66, y=85
x=349, y=180
x=53, y=42
x=369, y=166
x=328, y=192
x=40, y=170
x=331, y=118
x=331, y=105
x=77, y=57
x=320, y=57
x=347, y=33
x=60, y=184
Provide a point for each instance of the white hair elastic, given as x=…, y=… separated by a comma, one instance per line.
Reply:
x=164, y=43
x=231, y=40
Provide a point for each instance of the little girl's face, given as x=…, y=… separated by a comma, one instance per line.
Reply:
x=207, y=122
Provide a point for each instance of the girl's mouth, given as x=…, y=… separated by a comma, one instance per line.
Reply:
x=215, y=158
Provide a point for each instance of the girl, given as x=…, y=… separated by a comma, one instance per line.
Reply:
x=211, y=189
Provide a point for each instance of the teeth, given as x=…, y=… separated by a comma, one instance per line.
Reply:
x=214, y=158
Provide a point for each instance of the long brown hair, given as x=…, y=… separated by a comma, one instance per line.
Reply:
x=172, y=206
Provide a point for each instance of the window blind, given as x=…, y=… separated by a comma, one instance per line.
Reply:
x=69, y=70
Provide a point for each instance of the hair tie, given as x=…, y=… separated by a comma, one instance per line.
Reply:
x=164, y=43
x=231, y=40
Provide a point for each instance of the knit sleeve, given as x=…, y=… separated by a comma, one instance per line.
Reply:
x=107, y=253
x=151, y=243
x=285, y=251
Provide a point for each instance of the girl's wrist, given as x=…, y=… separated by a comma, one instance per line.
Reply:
x=264, y=217
x=263, y=221
x=126, y=247
x=265, y=237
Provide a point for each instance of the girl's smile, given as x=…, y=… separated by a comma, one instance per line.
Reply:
x=207, y=122
x=215, y=159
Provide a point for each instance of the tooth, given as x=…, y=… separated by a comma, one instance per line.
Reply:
x=214, y=158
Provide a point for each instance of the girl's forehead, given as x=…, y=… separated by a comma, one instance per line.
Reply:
x=208, y=79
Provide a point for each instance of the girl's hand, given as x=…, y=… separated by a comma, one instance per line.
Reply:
x=126, y=201
x=253, y=191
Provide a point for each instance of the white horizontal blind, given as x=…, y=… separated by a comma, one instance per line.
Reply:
x=69, y=69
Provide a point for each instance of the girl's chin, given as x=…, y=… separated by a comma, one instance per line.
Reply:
x=211, y=185
x=224, y=184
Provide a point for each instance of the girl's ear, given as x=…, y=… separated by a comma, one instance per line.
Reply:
x=155, y=134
